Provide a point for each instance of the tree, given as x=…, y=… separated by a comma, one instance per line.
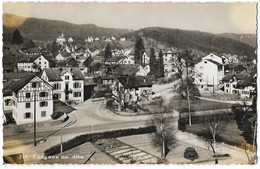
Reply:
x=187, y=88
x=17, y=37
x=162, y=119
x=139, y=49
x=152, y=63
x=215, y=125
x=160, y=64
x=108, y=53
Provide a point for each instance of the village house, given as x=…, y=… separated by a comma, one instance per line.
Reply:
x=208, y=74
x=135, y=88
x=169, y=56
x=230, y=82
x=234, y=68
x=89, y=39
x=68, y=83
x=60, y=57
x=31, y=94
x=96, y=38
x=214, y=57
x=247, y=86
x=70, y=40
x=32, y=63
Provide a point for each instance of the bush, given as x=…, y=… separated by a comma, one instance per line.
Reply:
x=100, y=91
x=56, y=115
x=191, y=154
x=92, y=137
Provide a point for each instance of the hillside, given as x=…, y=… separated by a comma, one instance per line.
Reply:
x=249, y=39
x=201, y=41
x=43, y=29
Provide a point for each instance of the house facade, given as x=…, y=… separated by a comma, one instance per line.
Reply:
x=68, y=83
x=208, y=74
x=33, y=64
x=31, y=95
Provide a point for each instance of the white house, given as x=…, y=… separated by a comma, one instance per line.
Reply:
x=145, y=58
x=89, y=39
x=31, y=95
x=127, y=60
x=208, y=74
x=230, y=82
x=169, y=56
x=113, y=38
x=68, y=83
x=70, y=40
x=147, y=68
x=135, y=88
x=59, y=57
x=247, y=85
x=96, y=38
x=32, y=63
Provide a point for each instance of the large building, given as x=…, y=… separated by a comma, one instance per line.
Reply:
x=209, y=72
x=31, y=95
x=68, y=83
x=32, y=63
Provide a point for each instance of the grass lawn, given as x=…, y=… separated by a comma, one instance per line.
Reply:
x=61, y=106
x=230, y=134
x=197, y=105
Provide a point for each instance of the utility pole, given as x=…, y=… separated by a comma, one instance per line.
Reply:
x=34, y=116
x=61, y=148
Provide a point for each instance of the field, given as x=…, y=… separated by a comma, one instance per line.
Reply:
x=197, y=105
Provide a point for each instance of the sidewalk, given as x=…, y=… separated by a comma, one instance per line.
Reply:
x=41, y=126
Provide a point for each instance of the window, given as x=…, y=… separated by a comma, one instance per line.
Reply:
x=227, y=85
x=45, y=63
x=201, y=86
x=27, y=105
x=39, y=62
x=67, y=77
x=234, y=86
x=56, y=86
x=43, y=113
x=77, y=85
x=200, y=80
x=43, y=104
x=28, y=95
x=34, y=84
x=28, y=115
x=43, y=94
x=205, y=62
x=77, y=94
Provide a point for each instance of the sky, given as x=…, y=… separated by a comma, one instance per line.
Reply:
x=206, y=17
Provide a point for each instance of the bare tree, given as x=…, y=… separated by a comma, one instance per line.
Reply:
x=162, y=118
x=215, y=125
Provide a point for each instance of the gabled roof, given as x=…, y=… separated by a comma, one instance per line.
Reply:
x=28, y=59
x=77, y=75
x=135, y=82
x=17, y=85
x=239, y=76
x=235, y=65
x=248, y=81
x=53, y=74
x=212, y=61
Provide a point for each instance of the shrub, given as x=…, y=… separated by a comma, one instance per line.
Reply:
x=92, y=137
x=56, y=115
x=191, y=154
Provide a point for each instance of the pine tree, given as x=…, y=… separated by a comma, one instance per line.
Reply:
x=152, y=63
x=139, y=49
x=161, y=64
x=17, y=37
x=108, y=53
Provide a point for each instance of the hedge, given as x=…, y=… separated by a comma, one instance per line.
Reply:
x=92, y=137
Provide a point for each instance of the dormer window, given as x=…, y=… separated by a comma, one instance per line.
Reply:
x=67, y=77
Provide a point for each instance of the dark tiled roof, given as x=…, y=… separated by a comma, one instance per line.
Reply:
x=235, y=65
x=248, y=81
x=239, y=76
x=216, y=63
x=28, y=59
x=135, y=82
x=17, y=85
x=11, y=76
x=128, y=69
x=53, y=74
x=228, y=77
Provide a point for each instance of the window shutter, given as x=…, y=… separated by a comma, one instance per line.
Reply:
x=46, y=103
x=79, y=85
x=59, y=86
